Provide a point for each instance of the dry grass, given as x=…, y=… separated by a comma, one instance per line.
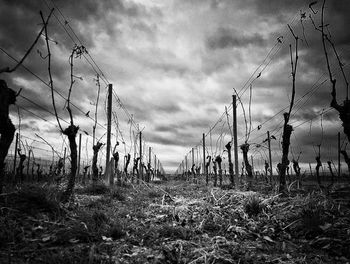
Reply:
x=199, y=224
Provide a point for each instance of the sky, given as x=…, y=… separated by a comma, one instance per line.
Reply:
x=174, y=66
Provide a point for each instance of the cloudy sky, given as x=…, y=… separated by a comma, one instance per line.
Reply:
x=174, y=64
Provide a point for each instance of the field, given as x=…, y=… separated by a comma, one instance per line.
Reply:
x=174, y=222
x=174, y=132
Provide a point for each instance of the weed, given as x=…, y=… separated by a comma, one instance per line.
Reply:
x=33, y=200
x=253, y=205
x=168, y=190
x=116, y=193
x=99, y=218
x=177, y=232
x=154, y=194
x=95, y=220
x=115, y=231
x=95, y=189
x=75, y=233
x=99, y=203
x=312, y=217
x=209, y=225
x=75, y=255
x=158, y=182
x=125, y=185
x=11, y=231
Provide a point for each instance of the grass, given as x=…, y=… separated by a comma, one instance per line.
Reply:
x=116, y=231
x=154, y=194
x=94, y=189
x=253, y=205
x=175, y=232
x=131, y=225
x=117, y=193
x=33, y=200
x=71, y=255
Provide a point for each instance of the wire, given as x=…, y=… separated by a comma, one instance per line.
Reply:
x=48, y=86
x=76, y=36
x=42, y=108
x=244, y=87
x=100, y=72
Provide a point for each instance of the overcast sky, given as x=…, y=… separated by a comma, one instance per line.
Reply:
x=174, y=64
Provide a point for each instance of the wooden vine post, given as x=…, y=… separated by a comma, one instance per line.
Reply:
x=245, y=147
x=193, y=172
x=109, y=124
x=186, y=168
x=154, y=167
x=149, y=164
x=338, y=154
x=134, y=167
x=28, y=163
x=205, y=169
x=79, y=156
x=270, y=159
x=235, y=141
x=158, y=168
x=182, y=171
x=140, y=165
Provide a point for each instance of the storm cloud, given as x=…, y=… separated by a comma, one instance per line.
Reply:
x=173, y=65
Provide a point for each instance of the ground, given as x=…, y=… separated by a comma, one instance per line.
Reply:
x=173, y=222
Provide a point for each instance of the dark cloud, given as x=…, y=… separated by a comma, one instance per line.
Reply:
x=172, y=68
x=170, y=108
x=273, y=7
x=150, y=44
x=177, y=138
x=20, y=22
x=216, y=61
x=24, y=17
x=162, y=128
x=231, y=38
x=164, y=140
x=310, y=46
x=325, y=138
x=148, y=110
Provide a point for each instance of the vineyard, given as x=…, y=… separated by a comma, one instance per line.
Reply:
x=97, y=167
